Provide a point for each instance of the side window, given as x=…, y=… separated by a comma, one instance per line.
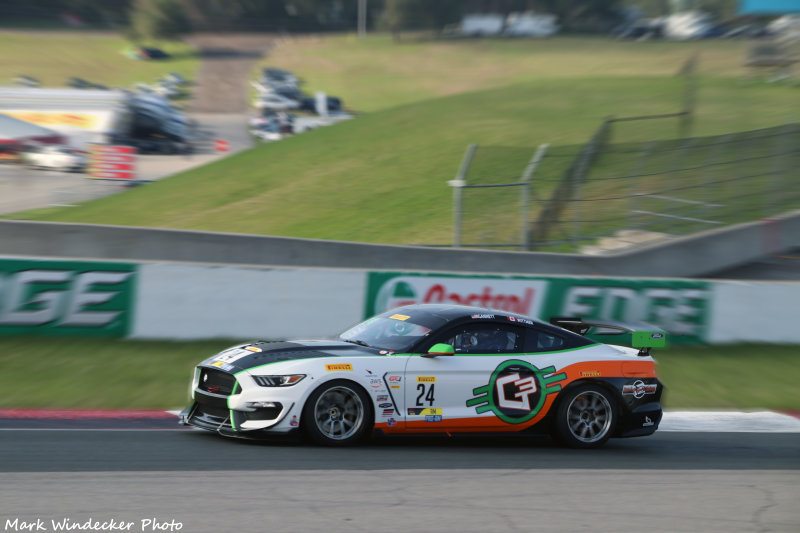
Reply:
x=485, y=339
x=539, y=340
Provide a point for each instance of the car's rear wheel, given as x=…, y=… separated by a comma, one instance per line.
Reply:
x=339, y=413
x=586, y=417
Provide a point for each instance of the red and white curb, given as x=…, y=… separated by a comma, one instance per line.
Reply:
x=686, y=421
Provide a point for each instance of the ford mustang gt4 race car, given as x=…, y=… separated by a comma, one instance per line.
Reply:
x=437, y=369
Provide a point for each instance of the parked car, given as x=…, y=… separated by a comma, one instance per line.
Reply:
x=27, y=81
x=436, y=368
x=54, y=157
x=274, y=102
x=309, y=103
x=272, y=75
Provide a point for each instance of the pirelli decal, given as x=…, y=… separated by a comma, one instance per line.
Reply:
x=339, y=367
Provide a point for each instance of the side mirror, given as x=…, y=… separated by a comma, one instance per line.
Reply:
x=440, y=349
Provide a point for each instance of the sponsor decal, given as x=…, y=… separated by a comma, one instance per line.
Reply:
x=253, y=349
x=385, y=405
x=395, y=379
x=424, y=411
x=394, y=386
x=388, y=412
x=231, y=356
x=647, y=422
x=590, y=373
x=339, y=367
x=218, y=364
x=520, y=320
x=375, y=383
x=382, y=398
x=66, y=298
x=294, y=422
x=639, y=388
x=656, y=335
x=433, y=418
x=516, y=391
x=476, y=317
x=388, y=290
x=391, y=422
x=426, y=379
x=400, y=317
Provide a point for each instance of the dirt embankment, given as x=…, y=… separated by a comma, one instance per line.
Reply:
x=223, y=78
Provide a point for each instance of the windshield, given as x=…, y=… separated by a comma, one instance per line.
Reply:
x=395, y=332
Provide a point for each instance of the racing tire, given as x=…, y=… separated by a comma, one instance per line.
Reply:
x=338, y=413
x=586, y=417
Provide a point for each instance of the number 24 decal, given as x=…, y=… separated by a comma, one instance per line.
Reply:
x=425, y=394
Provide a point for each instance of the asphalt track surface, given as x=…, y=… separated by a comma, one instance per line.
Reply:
x=145, y=472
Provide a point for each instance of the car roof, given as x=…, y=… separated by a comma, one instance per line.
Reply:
x=436, y=316
x=451, y=312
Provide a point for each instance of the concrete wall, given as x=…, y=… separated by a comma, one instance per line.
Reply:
x=196, y=302
x=193, y=301
x=693, y=256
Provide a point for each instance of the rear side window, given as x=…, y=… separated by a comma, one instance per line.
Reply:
x=539, y=340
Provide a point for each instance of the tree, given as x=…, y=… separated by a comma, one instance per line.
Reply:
x=158, y=19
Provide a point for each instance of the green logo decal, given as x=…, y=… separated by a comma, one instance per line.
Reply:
x=516, y=391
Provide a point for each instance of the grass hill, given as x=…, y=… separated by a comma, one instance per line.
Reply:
x=382, y=177
x=55, y=56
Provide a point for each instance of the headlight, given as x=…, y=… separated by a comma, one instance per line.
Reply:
x=278, y=381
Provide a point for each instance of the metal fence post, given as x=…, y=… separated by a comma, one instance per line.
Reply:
x=458, y=186
x=526, y=193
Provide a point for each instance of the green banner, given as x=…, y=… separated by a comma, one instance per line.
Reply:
x=70, y=298
x=680, y=307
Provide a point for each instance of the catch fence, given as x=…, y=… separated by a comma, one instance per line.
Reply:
x=604, y=195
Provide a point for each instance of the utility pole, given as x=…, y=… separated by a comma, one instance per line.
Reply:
x=362, y=18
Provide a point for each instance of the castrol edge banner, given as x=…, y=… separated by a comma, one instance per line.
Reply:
x=683, y=308
x=112, y=162
x=386, y=290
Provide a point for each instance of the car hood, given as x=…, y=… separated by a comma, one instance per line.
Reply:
x=250, y=355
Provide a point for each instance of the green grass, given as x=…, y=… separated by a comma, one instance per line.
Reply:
x=377, y=73
x=54, y=57
x=108, y=374
x=382, y=177
x=731, y=377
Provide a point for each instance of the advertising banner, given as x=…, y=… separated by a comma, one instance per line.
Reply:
x=55, y=119
x=109, y=162
x=386, y=290
x=680, y=307
x=66, y=298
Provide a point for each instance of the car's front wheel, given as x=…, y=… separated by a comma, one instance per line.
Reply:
x=586, y=417
x=339, y=413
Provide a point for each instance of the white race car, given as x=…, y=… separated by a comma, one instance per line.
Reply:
x=54, y=157
x=436, y=369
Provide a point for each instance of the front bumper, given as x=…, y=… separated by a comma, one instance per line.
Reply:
x=237, y=407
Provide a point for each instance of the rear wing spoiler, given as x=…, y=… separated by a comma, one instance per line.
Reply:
x=643, y=335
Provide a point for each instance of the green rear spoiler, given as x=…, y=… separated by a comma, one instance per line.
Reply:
x=643, y=335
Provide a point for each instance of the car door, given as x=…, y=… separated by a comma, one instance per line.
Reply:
x=438, y=390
